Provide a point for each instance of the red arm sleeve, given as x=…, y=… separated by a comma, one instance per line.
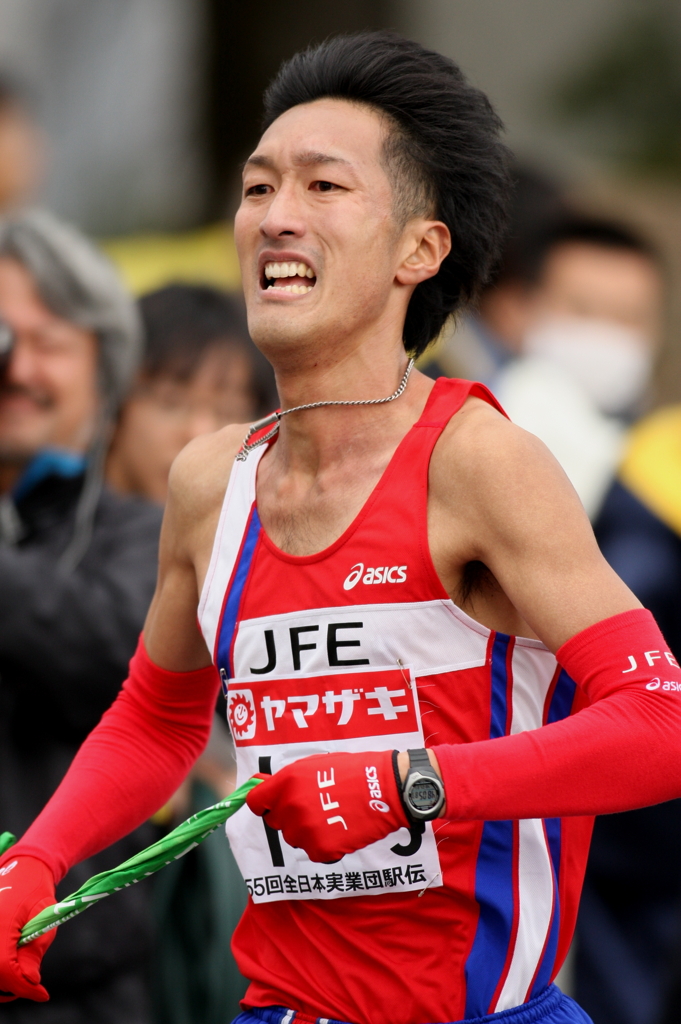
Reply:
x=129, y=765
x=621, y=752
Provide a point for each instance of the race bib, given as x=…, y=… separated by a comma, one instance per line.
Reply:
x=277, y=721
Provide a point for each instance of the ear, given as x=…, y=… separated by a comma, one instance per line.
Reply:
x=427, y=243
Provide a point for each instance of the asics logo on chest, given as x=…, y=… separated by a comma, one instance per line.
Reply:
x=382, y=574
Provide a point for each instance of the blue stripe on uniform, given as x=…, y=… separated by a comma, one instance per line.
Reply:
x=559, y=708
x=494, y=893
x=494, y=870
x=499, y=686
x=231, y=612
x=563, y=698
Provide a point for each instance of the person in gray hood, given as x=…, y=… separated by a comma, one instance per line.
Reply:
x=77, y=571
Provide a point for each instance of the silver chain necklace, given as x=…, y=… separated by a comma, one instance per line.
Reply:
x=275, y=418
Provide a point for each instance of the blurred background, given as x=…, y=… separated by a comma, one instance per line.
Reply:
x=146, y=106
x=129, y=119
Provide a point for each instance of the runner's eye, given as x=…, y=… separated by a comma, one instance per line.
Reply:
x=258, y=190
x=324, y=186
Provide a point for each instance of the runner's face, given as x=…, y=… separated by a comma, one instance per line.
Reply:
x=317, y=240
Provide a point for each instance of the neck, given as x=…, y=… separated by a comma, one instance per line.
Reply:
x=312, y=440
x=335, y=364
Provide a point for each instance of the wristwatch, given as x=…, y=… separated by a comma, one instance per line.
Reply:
x=422, y=791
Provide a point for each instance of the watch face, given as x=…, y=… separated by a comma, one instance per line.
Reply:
x=424, y=795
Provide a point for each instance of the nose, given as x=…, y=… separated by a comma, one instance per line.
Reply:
x=284, y=216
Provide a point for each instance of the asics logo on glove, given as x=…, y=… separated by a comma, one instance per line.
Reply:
x=376, y=803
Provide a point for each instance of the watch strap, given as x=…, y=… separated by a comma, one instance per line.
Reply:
x=400, y=785
x=419, y=759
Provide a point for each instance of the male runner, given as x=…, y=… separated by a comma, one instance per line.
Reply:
x=364, y=581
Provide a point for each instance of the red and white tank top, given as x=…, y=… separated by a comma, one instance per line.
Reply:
x=359, y=647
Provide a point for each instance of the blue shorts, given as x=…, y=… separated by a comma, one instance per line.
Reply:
x=550, y=1007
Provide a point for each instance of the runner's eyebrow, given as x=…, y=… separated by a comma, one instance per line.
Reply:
x=311, y=157
x=308, y=158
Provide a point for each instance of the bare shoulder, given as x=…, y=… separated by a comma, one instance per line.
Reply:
x=200, y=473
x=496, y=473
x=196, y=489
x=480, y=439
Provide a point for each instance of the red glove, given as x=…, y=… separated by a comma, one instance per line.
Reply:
x=332, y=804
x=26, y=888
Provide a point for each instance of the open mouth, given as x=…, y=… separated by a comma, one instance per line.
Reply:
x=296, y=278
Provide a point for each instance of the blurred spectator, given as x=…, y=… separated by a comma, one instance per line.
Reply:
x=199, y=372
x=592, y=320
x=77, y=571
x=566, y=338
x=21, y=146
x=594, y=309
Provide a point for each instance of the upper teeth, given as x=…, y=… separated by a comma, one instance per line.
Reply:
x=288, y=270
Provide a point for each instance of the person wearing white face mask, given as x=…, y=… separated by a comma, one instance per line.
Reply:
x=610, y=361
x=592, y=322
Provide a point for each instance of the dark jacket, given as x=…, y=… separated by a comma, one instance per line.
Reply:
x=65, y=643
